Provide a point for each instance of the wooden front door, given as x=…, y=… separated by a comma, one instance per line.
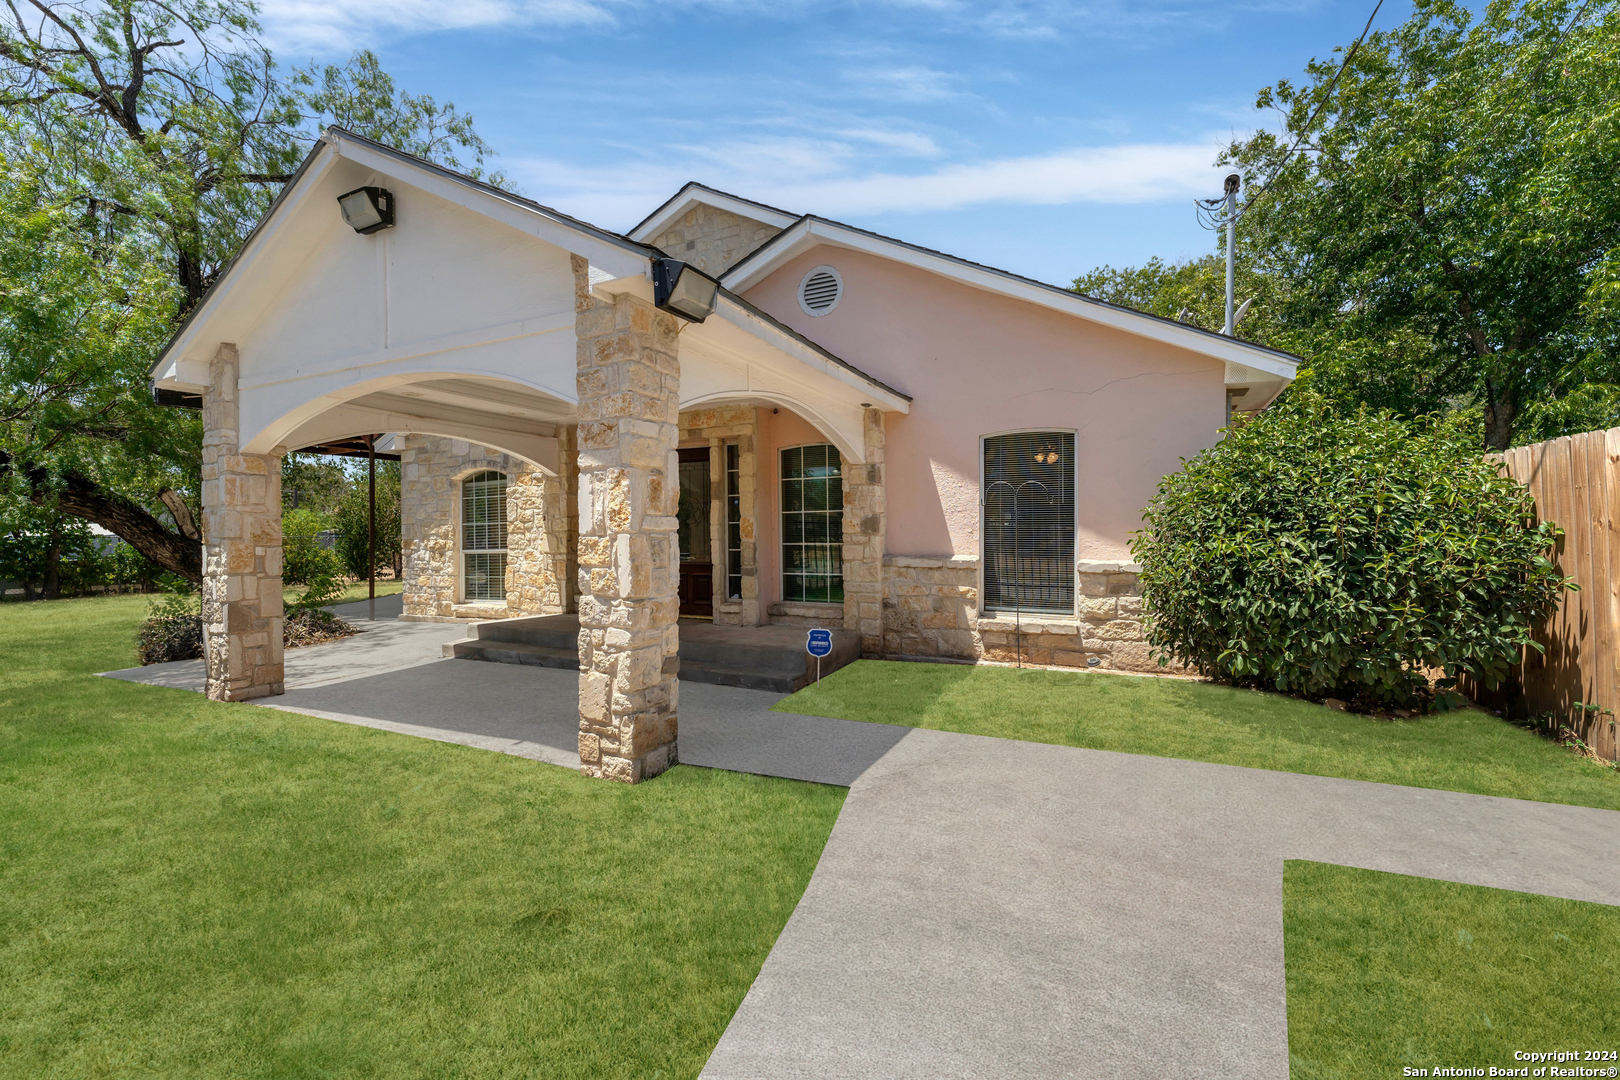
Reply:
x=697, y=560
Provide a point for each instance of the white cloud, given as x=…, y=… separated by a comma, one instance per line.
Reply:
x=906, y=143
x=820, y=177
x=911, y=83
x=341, y=27
x=326, y=26
x=1137, y=173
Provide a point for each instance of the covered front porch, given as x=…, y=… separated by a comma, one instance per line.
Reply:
x=485, y=321
x=753, y=657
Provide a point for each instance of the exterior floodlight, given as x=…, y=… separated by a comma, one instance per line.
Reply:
x=368, y=209
x=683, y=290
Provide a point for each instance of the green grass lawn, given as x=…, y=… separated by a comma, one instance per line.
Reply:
x=197, y=889
x=353, y=591
x=1387, y=972
x=1467, y=750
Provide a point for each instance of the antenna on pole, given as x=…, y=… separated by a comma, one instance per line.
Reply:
x=1218, y=214
x=1233, y=181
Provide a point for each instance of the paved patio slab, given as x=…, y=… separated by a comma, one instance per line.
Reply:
x=990, y=908
x=382, y=646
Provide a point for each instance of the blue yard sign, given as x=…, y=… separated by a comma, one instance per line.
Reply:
x=818, y=644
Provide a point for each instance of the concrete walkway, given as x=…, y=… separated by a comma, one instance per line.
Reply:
x=989, y=908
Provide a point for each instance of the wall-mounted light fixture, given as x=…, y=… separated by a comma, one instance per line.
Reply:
x=683, y=290
x=1047, y=456
x=367, y=209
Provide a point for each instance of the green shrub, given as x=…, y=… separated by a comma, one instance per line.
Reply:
x=303, y=559
x=173, y=627
x=321, y=592
x=1319, y=553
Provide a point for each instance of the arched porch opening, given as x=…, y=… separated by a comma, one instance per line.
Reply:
x=793, y=517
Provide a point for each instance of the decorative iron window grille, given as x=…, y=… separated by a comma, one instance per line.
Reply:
x=733, y=521
x=1028, y=527
x=812, y=525
x=483, y=536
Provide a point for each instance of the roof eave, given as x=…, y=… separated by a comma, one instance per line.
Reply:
x=676, y=205
x=803, y=232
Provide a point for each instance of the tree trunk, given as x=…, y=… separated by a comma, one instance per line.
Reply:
x=53, y=568
x=84, y=498
x=1499, y=416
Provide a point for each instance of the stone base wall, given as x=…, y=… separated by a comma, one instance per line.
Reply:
x=931, y=607
x=930, y=610
x=717, y=427
x=540, y=545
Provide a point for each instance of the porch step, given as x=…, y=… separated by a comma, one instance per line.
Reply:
x=516, y=652
x=754, y=657
x=720, y=675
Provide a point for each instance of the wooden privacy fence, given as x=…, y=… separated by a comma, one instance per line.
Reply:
x=1576, y=483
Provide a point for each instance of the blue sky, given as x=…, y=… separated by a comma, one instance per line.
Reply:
x=1043, y=138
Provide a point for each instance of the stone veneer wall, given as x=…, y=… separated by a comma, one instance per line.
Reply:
x=931, y=611
x=542, y=521
x=539, y=509
x=713, y=240
x=718, y=426
x=241, y=586
x=628, y=377
x=865, y=531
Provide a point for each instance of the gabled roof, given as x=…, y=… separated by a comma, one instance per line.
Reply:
x=696, y=194
x=337, y=142
x=809, y=230
x=567, y=232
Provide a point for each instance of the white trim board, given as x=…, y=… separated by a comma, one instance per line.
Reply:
x=695, y=194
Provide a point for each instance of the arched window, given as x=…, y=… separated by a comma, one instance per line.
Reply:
x=1028, y=522
x=483, y=536
x=812, y=525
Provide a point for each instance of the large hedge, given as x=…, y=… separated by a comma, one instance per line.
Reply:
x=1351, y=555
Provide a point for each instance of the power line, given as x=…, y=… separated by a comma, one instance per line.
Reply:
x=1217, y=223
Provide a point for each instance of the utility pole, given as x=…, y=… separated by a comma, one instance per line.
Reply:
x=1232, y=183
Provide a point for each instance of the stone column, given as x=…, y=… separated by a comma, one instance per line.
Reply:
x=865, y=525
x=241, y=594
x=629, y=404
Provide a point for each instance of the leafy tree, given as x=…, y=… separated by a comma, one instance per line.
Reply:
x=1326, y=553
x=303, y=559
x=312, y=482
x=1192, y=292
x=362, y=98
x=352, y=544
x=1440, y=215
x=140, y=141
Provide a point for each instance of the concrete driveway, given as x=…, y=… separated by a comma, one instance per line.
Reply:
x=990, y=908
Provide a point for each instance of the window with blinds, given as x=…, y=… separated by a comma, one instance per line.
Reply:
x=733, y=521
x=1028, y=522
x=812, y=525
x=483, y=536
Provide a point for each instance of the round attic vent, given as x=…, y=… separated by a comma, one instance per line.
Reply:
x=820, y=291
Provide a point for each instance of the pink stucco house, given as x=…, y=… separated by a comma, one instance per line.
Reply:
x=814, y=425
